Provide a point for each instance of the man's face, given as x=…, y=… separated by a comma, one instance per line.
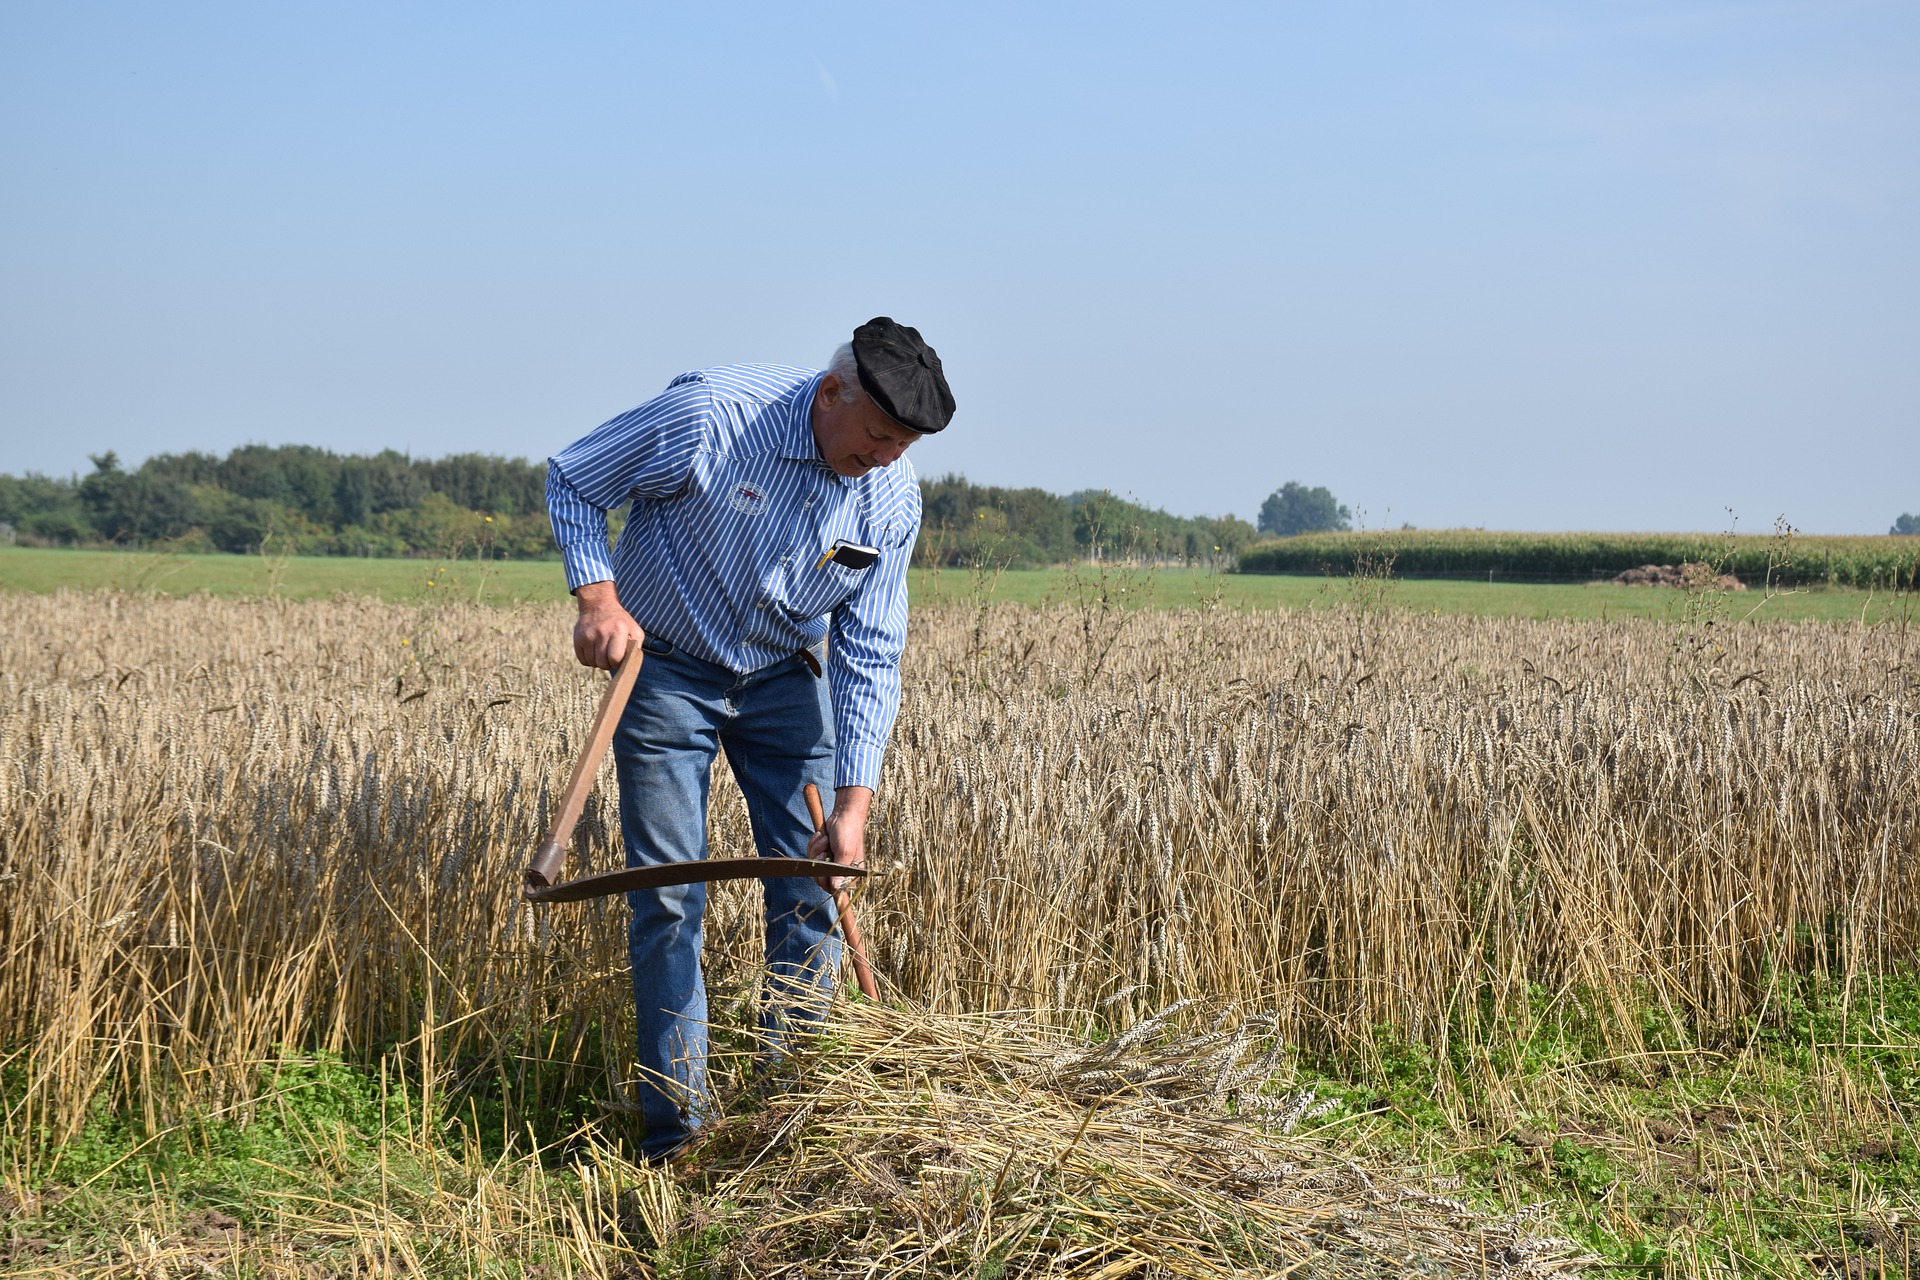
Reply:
x=855, y=438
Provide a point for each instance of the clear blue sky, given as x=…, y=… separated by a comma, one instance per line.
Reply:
x=1550, y=266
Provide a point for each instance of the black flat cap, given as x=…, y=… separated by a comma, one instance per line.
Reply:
x=903, y=375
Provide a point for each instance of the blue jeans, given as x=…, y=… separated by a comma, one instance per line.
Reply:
x=776, y=726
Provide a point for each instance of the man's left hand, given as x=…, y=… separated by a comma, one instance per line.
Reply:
x=844, y=838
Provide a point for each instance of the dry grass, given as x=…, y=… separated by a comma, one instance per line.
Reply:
x=968, y=1145
x=234, y=828
x=1368, y=822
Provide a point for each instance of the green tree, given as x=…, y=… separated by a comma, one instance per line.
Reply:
x=396, y=481
x=238, y=524
x=1906, y=524
x=1294, y=508
x=483, y=482
x=299, y=476
x=353, y=492
x=155, y=509
x=135, y=507
x=100, y=491
x=44, y=509
x=190, y=468
x=963, y=523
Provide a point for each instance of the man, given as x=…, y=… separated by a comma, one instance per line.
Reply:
x=759, y=495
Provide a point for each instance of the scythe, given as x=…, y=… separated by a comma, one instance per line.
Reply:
x=541, y=883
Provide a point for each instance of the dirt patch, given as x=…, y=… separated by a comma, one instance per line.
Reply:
x=1689, y=576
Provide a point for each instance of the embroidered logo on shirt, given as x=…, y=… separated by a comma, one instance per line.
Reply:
x=748, y=499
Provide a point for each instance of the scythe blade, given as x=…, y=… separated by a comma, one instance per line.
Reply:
x=670, y=873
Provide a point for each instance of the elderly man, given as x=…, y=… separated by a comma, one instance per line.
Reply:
x=767, y=518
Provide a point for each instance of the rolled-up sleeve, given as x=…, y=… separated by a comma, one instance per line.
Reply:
x=645, y=452
x=868, y=635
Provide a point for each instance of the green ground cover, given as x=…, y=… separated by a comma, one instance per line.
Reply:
x=1780, y=1151
x=293, y=577
x=1174, y=588
x=506, y=582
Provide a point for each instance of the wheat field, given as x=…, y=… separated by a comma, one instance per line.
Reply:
x=231, y=827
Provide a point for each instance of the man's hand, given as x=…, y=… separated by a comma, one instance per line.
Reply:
x=844, y=838
x=605, y=629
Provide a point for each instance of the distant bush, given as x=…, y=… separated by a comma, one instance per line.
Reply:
x=1906, y=525
x=1585, y=557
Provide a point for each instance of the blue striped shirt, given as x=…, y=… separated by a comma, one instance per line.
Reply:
x=732, y=508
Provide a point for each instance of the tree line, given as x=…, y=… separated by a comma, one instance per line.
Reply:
x=290, y=498
x=963, y=523
x=304, y=500
x=300, y=499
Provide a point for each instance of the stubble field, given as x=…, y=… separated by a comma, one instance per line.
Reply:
x=1212, y=942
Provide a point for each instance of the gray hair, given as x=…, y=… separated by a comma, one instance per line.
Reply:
x=842, y=366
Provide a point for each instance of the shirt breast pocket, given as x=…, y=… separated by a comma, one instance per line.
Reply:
x=818, y=589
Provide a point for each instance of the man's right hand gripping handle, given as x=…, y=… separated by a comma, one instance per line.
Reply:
x=605, y=629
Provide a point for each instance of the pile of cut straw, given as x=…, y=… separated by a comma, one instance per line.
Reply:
x=908, y=1143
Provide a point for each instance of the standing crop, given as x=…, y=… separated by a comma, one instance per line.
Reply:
x=231, y=827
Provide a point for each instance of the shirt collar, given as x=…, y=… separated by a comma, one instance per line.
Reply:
x=797, y=441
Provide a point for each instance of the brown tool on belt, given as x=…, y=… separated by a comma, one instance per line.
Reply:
x=843, y=904
x=542, y=883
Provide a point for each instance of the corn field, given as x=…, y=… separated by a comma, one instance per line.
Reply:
x=1888, y=562
x=227, y=828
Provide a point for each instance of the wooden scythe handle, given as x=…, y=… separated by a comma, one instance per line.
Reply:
x=552, y=853
x=862, y=971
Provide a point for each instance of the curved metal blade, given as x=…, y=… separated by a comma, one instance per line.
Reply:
x=609, y=882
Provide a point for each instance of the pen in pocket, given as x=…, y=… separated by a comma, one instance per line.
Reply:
x=848, y=555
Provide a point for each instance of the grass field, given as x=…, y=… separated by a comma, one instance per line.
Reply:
x=510, y=582
x=1176, y=588
x=288, y=577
